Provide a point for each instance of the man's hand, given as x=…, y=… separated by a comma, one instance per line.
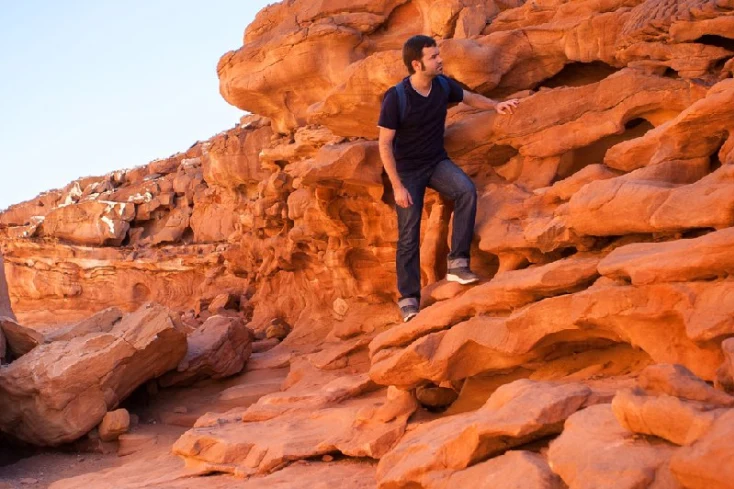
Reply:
x=507, y=107
x=402, y=197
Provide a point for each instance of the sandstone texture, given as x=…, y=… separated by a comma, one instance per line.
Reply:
x=218, y=349
x=61, y=390
x=516, y=414
x=596, y=352
x=114, y=424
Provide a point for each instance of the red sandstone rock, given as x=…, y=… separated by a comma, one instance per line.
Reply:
x=602, y=313
x=122, y=278
x=594, y=451
x=219, y=348
x=615, y=168
x=89, y=223
x=102, y=322
x=676, y=380
x=700, y=258
x=20, y=339
x=725, y=373
x=247, y=448
x=514, y=469
x=700, y=465
x=507, y=291
x=670, y=418
x=61, y=390
x=221, y=302
x=516, y=414
x=114, y=424
x=129, y=443
x=167, y=471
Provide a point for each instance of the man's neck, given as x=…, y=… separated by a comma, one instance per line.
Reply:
x=420, y=82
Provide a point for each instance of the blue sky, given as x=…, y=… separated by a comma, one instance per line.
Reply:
x=87, y=87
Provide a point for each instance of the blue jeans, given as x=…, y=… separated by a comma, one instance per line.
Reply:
x=451, y=182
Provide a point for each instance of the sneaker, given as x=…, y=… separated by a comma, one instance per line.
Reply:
x=409, y=312
x=462, y=275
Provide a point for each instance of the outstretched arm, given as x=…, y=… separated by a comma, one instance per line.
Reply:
x=402, y=197
x=481, y=102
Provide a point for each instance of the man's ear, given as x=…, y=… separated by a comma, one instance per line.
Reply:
x=417, y=65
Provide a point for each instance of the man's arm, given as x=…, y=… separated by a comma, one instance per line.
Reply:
x=402, y=197
x=481, y=102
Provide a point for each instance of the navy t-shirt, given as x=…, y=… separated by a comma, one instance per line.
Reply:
x=419, y=136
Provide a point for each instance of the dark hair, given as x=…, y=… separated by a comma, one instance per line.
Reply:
x=413, y=50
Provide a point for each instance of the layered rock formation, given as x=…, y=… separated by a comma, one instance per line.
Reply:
x=605, y=234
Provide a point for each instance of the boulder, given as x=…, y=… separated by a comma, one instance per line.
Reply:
x=59, y=391
x=20, y=339
x=219, y=348
x=595, y=452
x=678, y=381
x=221, y=302
x=101, y=322
x=90, y=223
x=699, y=466
x=516, y=469
x=679, y=421
x=114, y=424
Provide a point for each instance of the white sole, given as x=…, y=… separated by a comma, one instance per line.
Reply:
x=408, y=318
x=455, y=278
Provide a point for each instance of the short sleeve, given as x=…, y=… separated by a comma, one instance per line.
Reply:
x=456, y=91
x=389, y=110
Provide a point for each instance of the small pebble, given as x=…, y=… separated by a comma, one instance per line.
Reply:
x=29, y=481
x=327, y=458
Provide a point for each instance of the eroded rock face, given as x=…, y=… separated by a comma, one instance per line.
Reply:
x=604, y=313
x=516, y=414
x=604, y=236
x=61, y=390
x=698, y=466
x=594, y=451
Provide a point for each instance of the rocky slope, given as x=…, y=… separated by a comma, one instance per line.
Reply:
x=605, y=233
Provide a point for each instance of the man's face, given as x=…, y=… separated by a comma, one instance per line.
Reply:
x=431, y=64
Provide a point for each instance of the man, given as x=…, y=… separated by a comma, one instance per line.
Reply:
x=411, y=147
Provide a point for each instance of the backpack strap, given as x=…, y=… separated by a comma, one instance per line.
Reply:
x=402, y=101
x=444, y=86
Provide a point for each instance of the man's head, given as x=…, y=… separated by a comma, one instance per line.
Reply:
x=420, y=54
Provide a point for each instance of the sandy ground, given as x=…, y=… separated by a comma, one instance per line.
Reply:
x=163, y=418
